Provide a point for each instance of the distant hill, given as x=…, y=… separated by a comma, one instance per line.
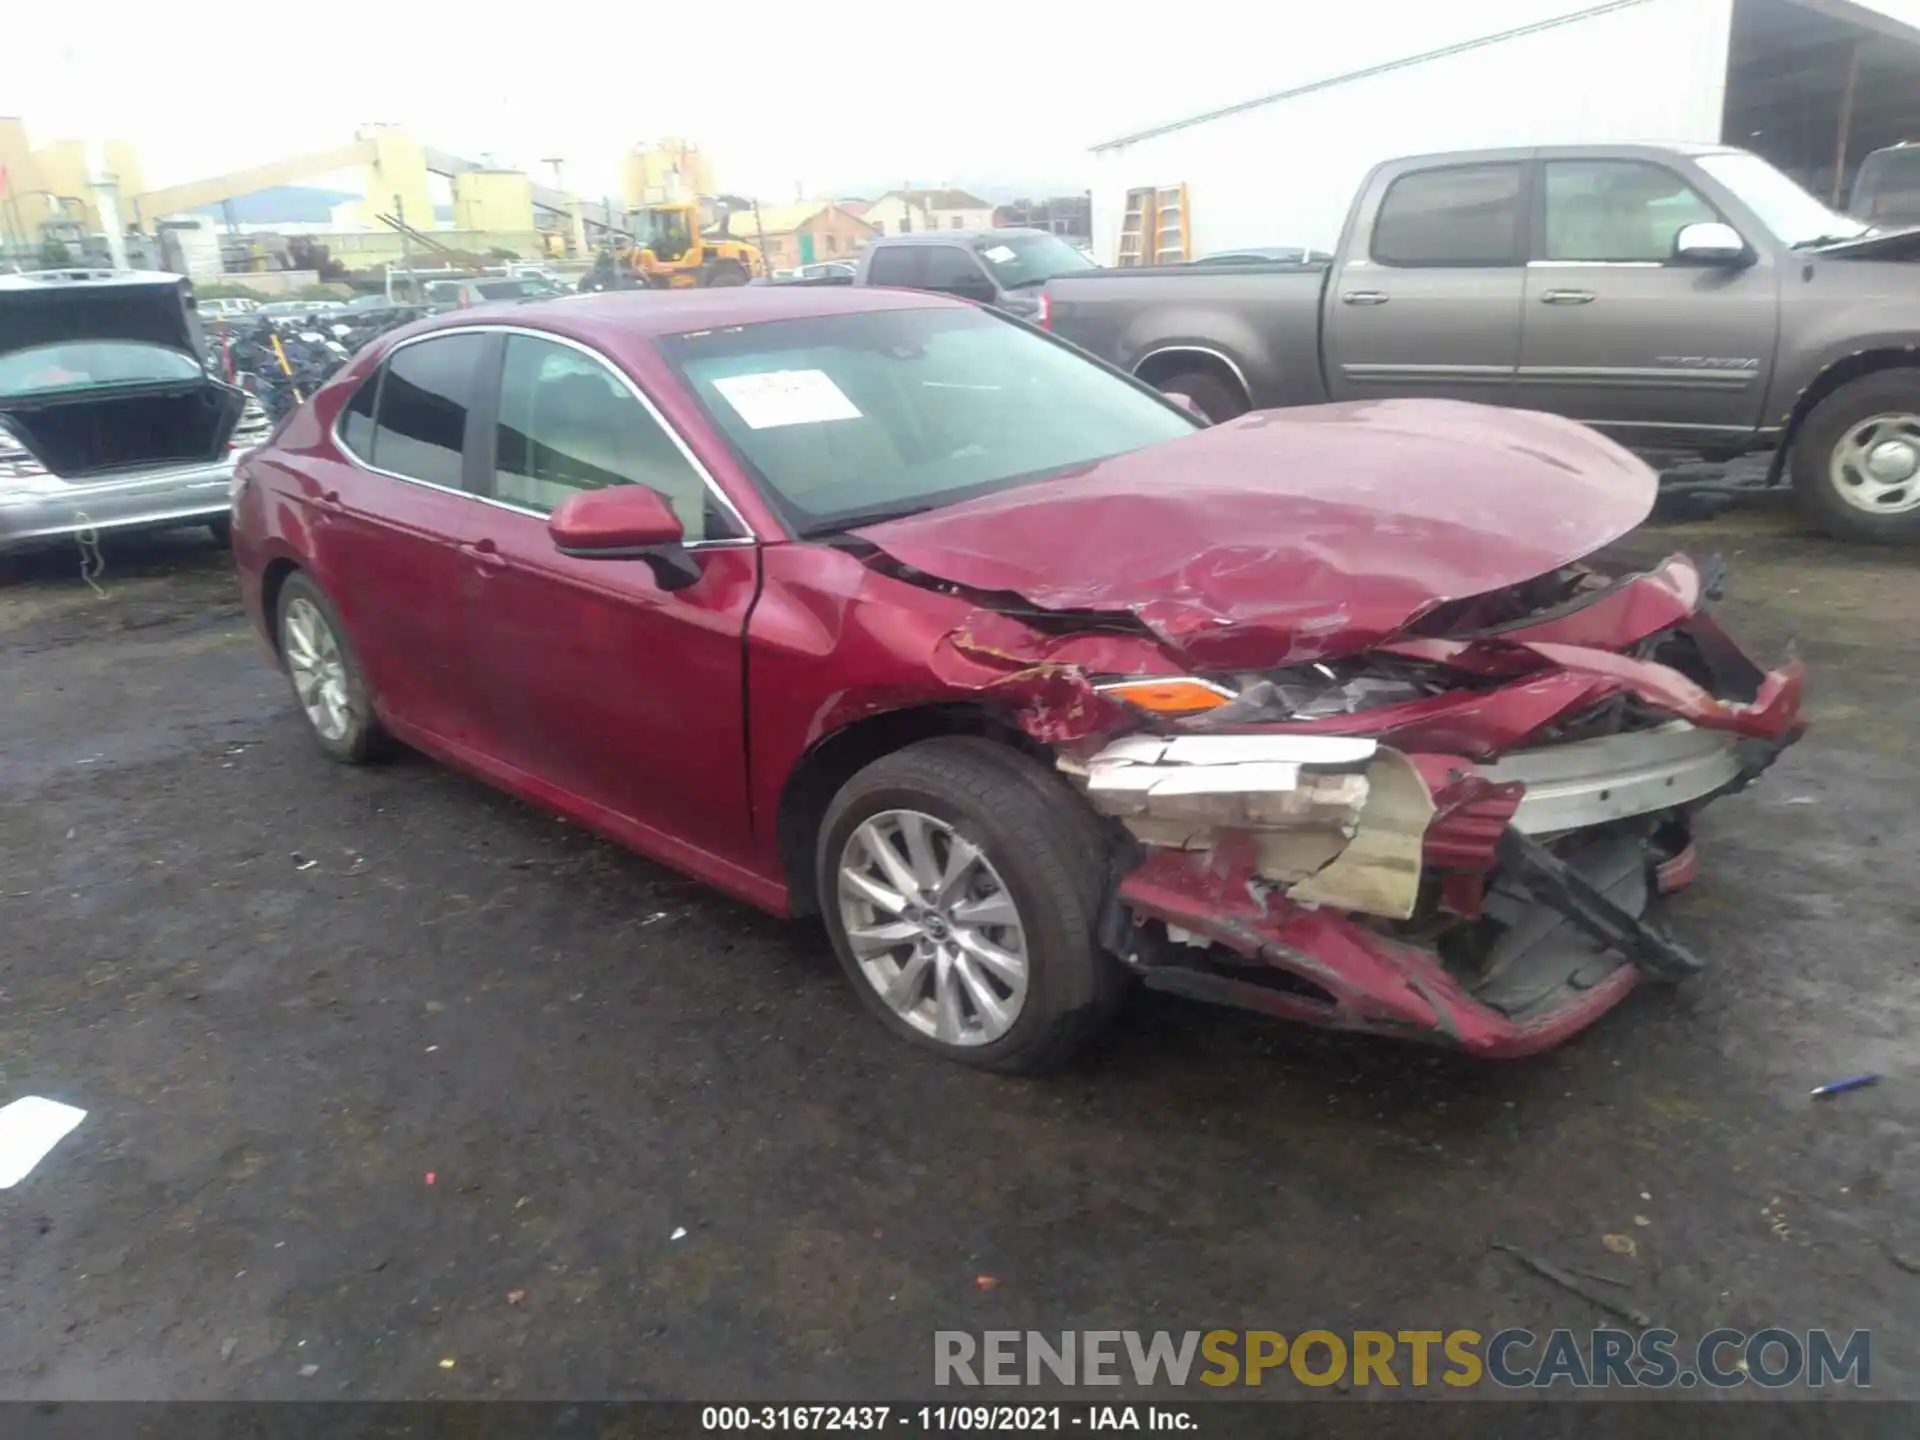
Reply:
x=281, y=205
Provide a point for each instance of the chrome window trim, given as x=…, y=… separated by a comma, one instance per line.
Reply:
x=706, y=476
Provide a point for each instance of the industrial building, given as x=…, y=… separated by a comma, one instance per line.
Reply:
x=64, y=189
x=1811, y=85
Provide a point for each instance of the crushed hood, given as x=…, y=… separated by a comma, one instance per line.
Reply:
x=48, y=307
x=1294, y=535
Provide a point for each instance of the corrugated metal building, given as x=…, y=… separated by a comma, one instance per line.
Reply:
x=1812, y=85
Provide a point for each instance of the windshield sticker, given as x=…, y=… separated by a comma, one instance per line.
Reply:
x=786, y=397
x=1000, y=254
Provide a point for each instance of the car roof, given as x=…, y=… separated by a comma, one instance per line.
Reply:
x=650, y=314
x=81, y=278
x=938, y=237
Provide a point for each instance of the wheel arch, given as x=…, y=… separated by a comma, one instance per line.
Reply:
x=1166, y=361
x=1841, y=372
x=273, y=580
x=835, y=758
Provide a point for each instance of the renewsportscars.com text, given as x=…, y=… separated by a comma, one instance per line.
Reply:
x=1512, y=1359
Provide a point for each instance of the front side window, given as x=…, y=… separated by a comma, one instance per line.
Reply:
x=568, y=423
x=849, y=419
x=1617, y=211
x=91, y=365
x=421, y=427
x=1465, y=215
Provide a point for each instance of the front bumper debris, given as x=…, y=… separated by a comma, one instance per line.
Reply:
x=1489, y=893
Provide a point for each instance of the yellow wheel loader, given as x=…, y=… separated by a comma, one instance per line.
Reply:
x=684, y=244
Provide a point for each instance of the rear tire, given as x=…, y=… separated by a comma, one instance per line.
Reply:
x=1873, y=419
x=1217, y=399
x=726, y=273
x=329, y=685
x=1044, y=872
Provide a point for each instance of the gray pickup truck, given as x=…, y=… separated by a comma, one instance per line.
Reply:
x=1007, y=269
x=1690, y=301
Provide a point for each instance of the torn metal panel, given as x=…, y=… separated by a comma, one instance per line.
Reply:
x=1378, y=872
x=1772, y=713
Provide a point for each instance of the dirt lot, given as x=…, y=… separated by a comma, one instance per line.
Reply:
x=385, y=1071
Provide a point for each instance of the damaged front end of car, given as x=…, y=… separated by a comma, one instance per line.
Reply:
x=1394, y=760
x=1454, y=838
x=1455, y=835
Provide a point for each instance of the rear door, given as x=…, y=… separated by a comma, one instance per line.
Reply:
x=596, y=678
x=387, y=521
x=1620, y=335
x=1429, y=301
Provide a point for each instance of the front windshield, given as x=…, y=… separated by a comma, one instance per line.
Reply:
x=1783, y=207
x=1021, y=260
x=91, y=365
x=850, y=419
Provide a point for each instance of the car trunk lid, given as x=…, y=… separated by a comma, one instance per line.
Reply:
x=108, y=425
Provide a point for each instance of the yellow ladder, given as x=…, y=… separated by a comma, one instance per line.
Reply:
x=1170, y=225
x=1136, y=227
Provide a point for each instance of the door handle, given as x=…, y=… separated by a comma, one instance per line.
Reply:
x=1364, y=297
x=486, y=555
x=1565, y=297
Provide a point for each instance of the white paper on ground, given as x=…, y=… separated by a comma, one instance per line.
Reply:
x=786, y=397
x=29, y=1128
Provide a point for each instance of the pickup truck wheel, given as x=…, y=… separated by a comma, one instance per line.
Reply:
x=961, y=884
x=1213, y=397
x=1856, y=460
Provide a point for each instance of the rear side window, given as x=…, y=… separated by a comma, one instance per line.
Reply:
x=1458, y=215
x=427, y=391
x=953, y=270
x=356, y=422
x=894, y=266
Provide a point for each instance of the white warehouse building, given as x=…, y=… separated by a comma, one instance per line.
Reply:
x=1811, y=85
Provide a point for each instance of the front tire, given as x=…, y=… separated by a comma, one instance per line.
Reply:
x=961, y=883
x=328, y=684
x=726, y=273
x=1856, y=460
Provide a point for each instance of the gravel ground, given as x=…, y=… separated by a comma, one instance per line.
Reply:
x=386, y=1071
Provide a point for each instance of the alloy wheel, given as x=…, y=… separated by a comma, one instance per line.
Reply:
x=933, y=927
x=318, y=668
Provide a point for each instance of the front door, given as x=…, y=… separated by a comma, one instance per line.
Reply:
x=1429, y=302
x=597, y=679
x=1620, y=335
x=386, y=522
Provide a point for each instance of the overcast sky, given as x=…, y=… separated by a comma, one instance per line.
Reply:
x=869, y=92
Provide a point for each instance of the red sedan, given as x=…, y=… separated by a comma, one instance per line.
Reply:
x=886, y=608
